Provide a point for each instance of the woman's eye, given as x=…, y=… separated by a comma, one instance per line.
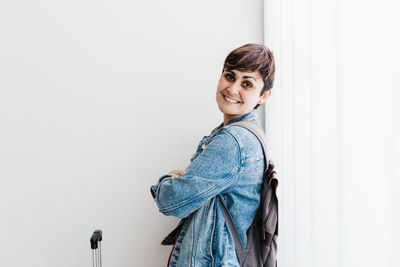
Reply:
x=247, y=84
x=229, y=77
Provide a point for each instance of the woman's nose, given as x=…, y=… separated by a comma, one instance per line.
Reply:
x=234, y=89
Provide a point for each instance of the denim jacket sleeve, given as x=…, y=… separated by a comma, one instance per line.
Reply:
x=211, y=172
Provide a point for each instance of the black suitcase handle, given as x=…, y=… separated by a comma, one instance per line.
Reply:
x=95, y=239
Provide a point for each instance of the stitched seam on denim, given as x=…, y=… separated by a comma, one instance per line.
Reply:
x=208, y=190
x=201, y=230
x=230, y=189
x=242, y=159
x=213, y=232
x=192, y=223
x=229, y=129
x=239, y=140
x=236, y=179
x=176, y=252
x=252, y=159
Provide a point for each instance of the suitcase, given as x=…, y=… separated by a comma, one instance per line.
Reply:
x=95, y=244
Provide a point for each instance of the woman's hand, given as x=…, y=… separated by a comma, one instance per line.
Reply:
x=177, y=173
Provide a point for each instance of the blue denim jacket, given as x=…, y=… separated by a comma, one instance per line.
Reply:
x=230, y=164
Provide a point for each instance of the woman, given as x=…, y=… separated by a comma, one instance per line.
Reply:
x=229, y=163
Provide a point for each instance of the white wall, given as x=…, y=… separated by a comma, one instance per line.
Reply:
x=97, y=100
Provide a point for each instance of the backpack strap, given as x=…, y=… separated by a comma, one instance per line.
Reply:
x=259, y=133
x=269, y=164
x=231, y=226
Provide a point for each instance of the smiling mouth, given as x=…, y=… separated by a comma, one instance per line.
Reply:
x=230, y=100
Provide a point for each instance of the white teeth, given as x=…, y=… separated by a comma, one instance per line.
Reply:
x=231, y=100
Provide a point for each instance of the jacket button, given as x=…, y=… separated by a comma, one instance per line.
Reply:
x=203, y=147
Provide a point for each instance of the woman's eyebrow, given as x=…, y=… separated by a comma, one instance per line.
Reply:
x=234, y=74
x=249, y=77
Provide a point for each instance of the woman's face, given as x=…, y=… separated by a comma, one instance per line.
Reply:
x=238, y=92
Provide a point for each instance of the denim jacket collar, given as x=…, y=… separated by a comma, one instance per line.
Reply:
x=248, y=116
x=251, y=116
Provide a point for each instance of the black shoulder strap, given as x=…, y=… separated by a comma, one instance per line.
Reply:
x=231, y=226
x=259, y=133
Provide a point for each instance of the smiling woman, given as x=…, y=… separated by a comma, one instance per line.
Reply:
x=239, y=92
x=228, y=163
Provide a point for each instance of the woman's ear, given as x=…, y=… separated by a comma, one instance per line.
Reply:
x=264, y=97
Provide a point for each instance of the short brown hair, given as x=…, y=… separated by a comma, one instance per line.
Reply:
x=253, y=57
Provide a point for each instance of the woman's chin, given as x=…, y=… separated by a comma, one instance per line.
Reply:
x=225, y=109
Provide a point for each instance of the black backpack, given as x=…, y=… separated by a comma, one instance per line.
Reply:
x=261, y=247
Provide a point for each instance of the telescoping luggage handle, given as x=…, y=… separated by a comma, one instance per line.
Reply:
x=95, y=245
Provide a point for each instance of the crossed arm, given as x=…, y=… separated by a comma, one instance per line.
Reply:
x=210, y=173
